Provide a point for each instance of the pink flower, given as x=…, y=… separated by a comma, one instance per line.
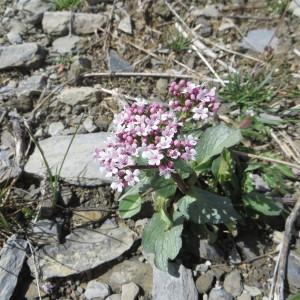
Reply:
x=153, y=156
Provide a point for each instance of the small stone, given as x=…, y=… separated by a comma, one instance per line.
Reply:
x=81, y=217
x=253, y=291
x=130, y=291
x=118, y=64
x=79, y=66
x=244, y=296
x=96, y=289
x=259, y=183
x=210, y=252
x=78, y=95
x=114, y=297
x=14, y=38
x=27, y=55
x=233, y=283
x=125, y=24
x=294, y=7
x=219, y=294
x=293, y=272
x=89, y=125
x=68, y=44
x=258, y=39
x=162, y=86
x=56, y=128
x=204, y=282
x=210, y=11
x=270, y=119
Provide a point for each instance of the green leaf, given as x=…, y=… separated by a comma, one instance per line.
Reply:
x=202, y=207
x=163, y=187
x=295, y=297
x=222, y=167
x=262, y=204
x=164, y=243
x=214, y=140
x=183, y=169
x=130, y=205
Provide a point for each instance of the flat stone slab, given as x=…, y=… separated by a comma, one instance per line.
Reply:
x=12, y=257
x=80, y=167
x=77, y=95
x=57, y=23
x=25, y=55
x=83, y=250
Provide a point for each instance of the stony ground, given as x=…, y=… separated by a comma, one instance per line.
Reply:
x=66, y=72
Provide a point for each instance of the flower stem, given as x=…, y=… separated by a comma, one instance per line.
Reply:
x=183, y=187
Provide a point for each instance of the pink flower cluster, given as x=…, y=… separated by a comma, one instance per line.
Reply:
x=195, y=101
x=149, y=132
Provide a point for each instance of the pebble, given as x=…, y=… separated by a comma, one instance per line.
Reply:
x=233, y=283
x=89, y=125
x=56, y=128
x=204, y=282
x=96, y=289
x=130, y=291
x=14, y=38
x=219, y=294
x=253, y=291
x=125, y=25
x=114, y=297
x=244, y=296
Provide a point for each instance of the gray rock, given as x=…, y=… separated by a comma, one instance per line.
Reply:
x=32, y=86
x=294, y=7
x=270, y=119
x=180, y=285
x=83, y=250
x=57, y=23
x=118, y=64
x=293, y=272
x=114, y=297
x=79, y=166
x=89, y=125
x=27, y=55
x=56, y=128
x=14, y=38
x=204, y=282
x=68, y=44
x=210, y=252
x=79, y=66
x=244, y=296
x=34, y=9
x=162, y=86
x=8, y=167
x=258, y=39
x=130, y=291
x=210, y=11
x=233, y=283
x=78, y=95
x=96, y=289
x=44, y=232
x=129, y=271
x=253, y=291
x=125, y=24
x=12, y=257
x=219, y=294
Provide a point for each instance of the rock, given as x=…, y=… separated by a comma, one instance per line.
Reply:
x=180, y=285
x=96, y=289
x=233, y=283
x=118, y=64
x=125, y=24
x=12, y=257
x=89, y=125
x=253, y=291
x=34, y=9
x=79, y=66
x=57, y=23
x=210, y=11
x=8, y=167
x=244, y=296
x=14, y=38
x=81, y=217
x=210, y=252
x=258, y=39
x=270, y=119
x=293, y=272
x=259, y=183
x=219, y=294
x=32, y=86
x=44, y=232
x=78, y=95
x=68, y=44
x=79, y=166
x=294, y=8
x=32, y=292
x=56, y=128
x=114, y=297
x=162, y=86
x=129, y=271
x=27, y=55
x=204, y=282
x=130, y=291
x=83, y=250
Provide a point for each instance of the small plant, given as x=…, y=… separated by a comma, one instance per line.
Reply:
x=278, y=6
x=193, y=174
x=177, y=42
x=66, y=4
x=247, y=91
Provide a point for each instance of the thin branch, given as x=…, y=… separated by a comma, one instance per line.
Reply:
x=267, y=159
